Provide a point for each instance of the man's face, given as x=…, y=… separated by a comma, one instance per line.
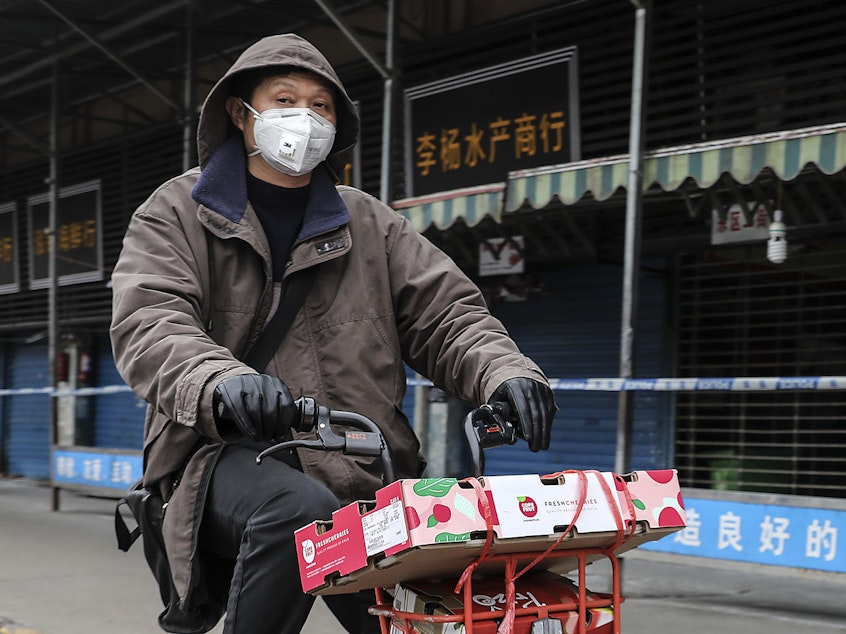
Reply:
x=298, y=89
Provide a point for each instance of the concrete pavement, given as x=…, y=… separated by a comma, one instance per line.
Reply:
x=61, y=573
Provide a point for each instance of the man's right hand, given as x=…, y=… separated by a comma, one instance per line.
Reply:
x=259, y=405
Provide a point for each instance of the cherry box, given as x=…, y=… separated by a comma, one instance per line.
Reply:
x=429, y=528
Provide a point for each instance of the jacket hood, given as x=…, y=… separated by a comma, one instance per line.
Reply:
x=288, y=49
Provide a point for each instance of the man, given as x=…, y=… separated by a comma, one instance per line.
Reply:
x=204, y=266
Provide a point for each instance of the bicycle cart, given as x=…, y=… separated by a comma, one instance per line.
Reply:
x=507, y=586
x=496, y=604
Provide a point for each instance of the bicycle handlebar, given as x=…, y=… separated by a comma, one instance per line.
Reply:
x=364, y=440
x=484, y=427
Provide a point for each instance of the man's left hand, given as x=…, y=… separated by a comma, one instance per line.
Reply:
x=533, y=404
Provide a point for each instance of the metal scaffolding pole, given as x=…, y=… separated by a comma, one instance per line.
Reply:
x=385, y=70
x=631, y=263
x=188, y=105
x=52, y=303
x=117, y=59
x=386, y=183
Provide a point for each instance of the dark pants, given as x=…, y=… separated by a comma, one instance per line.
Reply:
x=250, y=516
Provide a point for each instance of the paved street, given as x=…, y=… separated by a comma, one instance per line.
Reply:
x=61, y=573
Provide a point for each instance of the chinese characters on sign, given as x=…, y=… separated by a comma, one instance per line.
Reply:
x=473, y=129
x=502, y=256
x=91, y=468
x=734, y=226
x=9, y=272
x=783, y=535
x=71, y=236
x=79, y=256
x=526, y=137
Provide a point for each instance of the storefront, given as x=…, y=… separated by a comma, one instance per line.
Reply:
x=509, y=147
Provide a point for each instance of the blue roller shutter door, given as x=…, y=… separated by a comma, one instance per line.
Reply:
x=27, y=416
x=573, y=331
x=118, y=417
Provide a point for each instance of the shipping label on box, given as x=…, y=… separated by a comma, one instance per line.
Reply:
x=385, y=528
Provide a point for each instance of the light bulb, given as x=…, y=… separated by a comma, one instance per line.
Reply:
x=777, y=244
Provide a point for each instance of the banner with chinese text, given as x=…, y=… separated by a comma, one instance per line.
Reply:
x=794, y=536
x=96, y=468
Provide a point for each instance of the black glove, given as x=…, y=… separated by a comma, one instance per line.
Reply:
x=259, y=405
x=533, y=405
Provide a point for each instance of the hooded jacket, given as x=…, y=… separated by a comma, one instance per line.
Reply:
x=193, y=287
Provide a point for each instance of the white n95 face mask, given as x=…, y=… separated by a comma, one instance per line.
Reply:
x=292, y=140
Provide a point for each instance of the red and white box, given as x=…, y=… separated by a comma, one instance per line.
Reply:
x=416, y=529
x=536, y=593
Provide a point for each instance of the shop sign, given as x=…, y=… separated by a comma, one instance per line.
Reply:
x=472, y=129
x=734, y=227
x=9, y=271
x=96, y=468
x=501, y=256
x=79, y=252
x=794, y=536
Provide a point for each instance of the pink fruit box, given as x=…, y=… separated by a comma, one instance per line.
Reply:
x=435, y=527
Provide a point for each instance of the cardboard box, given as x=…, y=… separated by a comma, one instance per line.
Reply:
x=429, y=528
x=535, y=592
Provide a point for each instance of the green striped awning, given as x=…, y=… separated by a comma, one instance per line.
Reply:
x=442, y=209
x=786, y=153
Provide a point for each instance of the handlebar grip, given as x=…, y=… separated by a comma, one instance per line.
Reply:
x=306, y=413
x=487, y=426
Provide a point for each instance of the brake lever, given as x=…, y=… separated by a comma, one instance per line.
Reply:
x=364, y=440
x=310, y=416
x=485, y=427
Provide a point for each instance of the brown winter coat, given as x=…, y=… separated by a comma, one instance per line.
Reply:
x=193, y=285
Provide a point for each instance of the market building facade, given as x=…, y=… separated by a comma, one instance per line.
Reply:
x=503, y=135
